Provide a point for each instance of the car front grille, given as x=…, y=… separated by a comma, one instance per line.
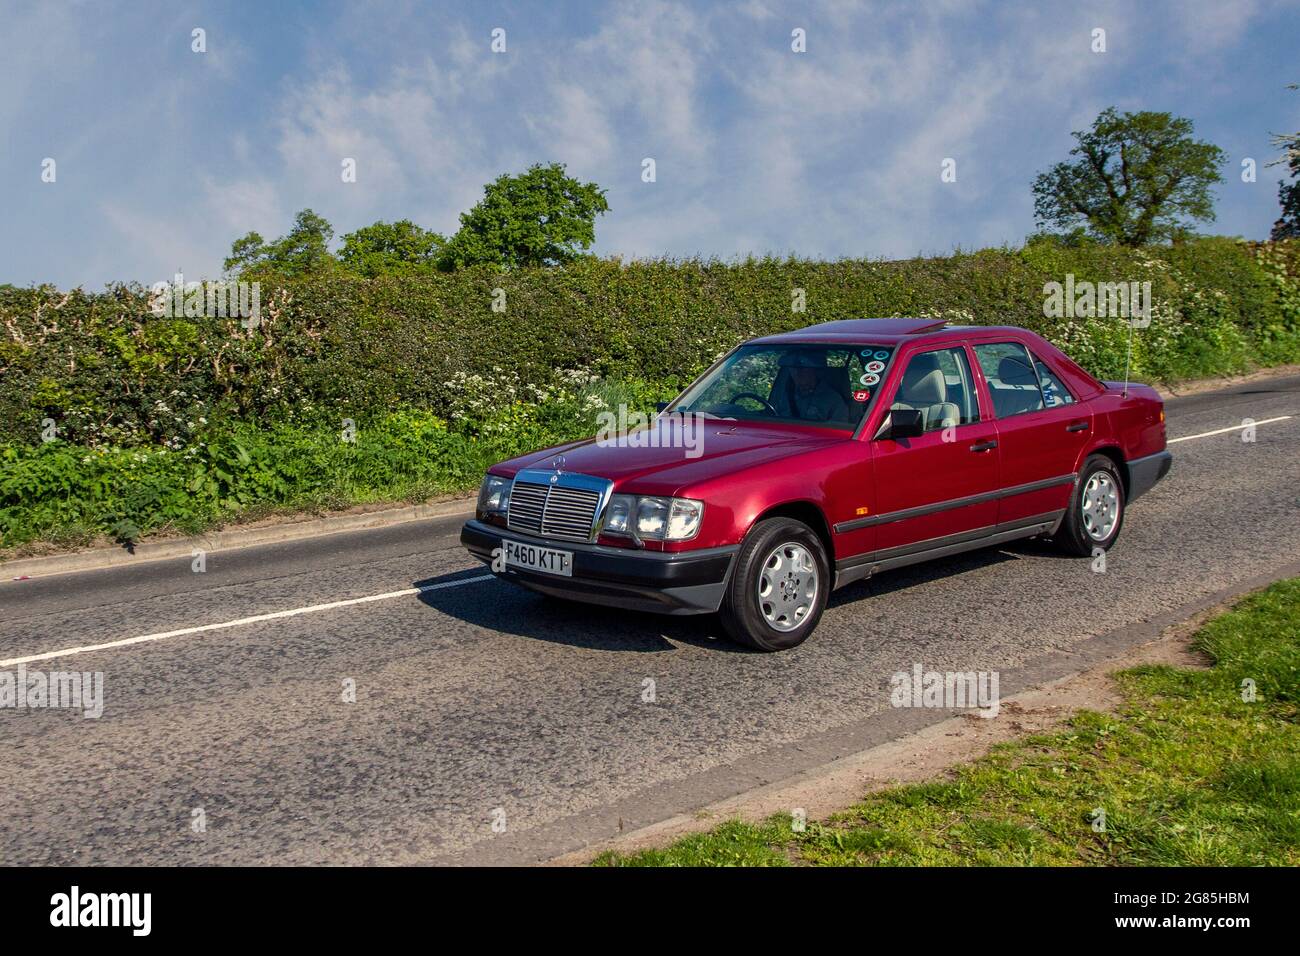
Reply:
x=565, y=508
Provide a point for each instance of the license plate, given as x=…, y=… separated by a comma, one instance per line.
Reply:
x=534, y=558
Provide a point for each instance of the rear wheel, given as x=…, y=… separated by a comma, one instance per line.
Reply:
x=778, y=587
x=1096, y=509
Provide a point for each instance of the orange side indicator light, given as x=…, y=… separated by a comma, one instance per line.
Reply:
x=863, y=511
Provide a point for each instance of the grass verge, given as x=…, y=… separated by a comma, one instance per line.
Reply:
x=1188, y=771
x=59, y=496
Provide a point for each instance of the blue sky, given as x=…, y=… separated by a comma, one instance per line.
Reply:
x=165, y=156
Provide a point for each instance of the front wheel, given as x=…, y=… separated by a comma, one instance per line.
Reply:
x=779, y=586
x=1096, y=509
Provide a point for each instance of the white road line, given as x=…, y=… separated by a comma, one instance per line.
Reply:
x=405, y=592
x=1224, y=431
x=310, y=609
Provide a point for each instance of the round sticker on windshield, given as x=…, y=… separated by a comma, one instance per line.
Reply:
x=875, y=366
x=861, y=395
x=865, y=352
x=869, y=379
x=882, y=355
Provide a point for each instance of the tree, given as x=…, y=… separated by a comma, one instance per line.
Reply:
x=1288, y=194
x=391, y=247
x=542, y=217
x=1137, y=177
x=305, y=249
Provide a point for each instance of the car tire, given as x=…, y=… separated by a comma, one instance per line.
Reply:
x=785, y=562
x=1096, y=511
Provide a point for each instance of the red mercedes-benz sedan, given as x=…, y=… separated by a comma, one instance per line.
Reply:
x=802, y=462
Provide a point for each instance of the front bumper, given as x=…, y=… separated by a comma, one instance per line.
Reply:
x=689, y=582
x=1143, y=473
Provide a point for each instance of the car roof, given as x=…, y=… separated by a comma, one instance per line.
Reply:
x=882, y=331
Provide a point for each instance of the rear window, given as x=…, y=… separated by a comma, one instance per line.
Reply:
x=1054, y=391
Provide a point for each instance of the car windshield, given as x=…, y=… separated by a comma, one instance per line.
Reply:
x=829, y=386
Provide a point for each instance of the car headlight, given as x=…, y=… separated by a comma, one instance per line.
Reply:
x=651, y=518
x=654, y=518
x=494, y=496
x=621, y=509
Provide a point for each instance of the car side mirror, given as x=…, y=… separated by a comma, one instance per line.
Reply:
x=660, y=406
x=901, y=423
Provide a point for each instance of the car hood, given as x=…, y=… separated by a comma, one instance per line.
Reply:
x=662, y=458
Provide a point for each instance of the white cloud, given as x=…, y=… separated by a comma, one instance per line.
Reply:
x=578, y=130
x=169, y=239
x=648, y=58
x=1207, y=26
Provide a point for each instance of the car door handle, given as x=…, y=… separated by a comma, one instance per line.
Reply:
x=1077, y=427
x=983, y=446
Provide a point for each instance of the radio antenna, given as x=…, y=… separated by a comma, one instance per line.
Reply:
x=1128, y=356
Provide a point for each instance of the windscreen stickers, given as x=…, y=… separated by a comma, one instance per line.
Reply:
x=873, y=366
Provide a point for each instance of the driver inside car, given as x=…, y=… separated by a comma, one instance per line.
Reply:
x=803, y=391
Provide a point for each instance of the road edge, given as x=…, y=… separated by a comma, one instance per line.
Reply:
x=834, y=787
x=1106, y=651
